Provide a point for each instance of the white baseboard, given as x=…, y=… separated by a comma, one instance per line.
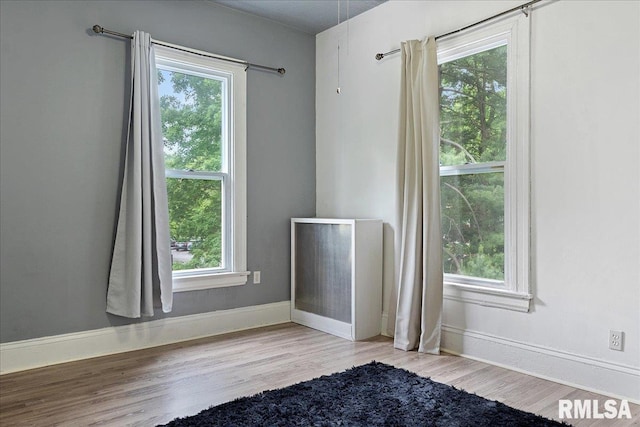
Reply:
x=38, y=352
x=596, y=375
x=600, y=376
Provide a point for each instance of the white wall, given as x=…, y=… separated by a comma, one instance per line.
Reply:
x=585, y=199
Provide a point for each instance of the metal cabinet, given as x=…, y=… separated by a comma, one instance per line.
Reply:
x=336, y=275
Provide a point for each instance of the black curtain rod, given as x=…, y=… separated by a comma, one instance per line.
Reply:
x=522, y=8
x=101, y=30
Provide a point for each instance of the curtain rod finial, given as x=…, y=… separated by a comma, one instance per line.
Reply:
x=379, y=56
x=97, y=29
x=281, y=71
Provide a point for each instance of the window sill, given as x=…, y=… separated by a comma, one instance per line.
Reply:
x=499, y=298
x=209, y=281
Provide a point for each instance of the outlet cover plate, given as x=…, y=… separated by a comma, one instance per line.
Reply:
x=616, y=339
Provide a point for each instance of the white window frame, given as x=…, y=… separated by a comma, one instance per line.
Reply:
x=233, y=174
x=514, y=292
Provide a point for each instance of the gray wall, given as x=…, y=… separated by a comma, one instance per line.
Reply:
x=62, y=109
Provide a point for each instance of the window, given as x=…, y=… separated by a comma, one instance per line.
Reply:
x=202, y=107
x=484, y=164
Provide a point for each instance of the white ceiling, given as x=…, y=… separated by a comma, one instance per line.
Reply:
x=309, y=16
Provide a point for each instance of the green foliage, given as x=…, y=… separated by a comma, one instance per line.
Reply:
x=195, y=216
x=192, y=123
x=192, y=128
x=473, y=130
x=473, y=225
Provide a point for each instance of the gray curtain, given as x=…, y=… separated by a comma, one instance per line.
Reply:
x=419, y=289
x=141, y=272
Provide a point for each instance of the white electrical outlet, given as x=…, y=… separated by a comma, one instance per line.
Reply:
x=256, y=277
x=615, y=340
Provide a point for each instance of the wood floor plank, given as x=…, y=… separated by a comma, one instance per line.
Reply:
x=152, y=386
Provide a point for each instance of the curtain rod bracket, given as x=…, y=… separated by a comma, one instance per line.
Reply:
x=524, y=10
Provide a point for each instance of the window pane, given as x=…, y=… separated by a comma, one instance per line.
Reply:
x=195, y=221
x=192, y=115
x=473, y=225
x=473, y=108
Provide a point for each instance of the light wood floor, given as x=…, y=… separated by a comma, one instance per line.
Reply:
x=156, y=385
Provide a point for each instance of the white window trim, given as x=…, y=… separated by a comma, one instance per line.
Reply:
x=515, y=293
x=235, y=274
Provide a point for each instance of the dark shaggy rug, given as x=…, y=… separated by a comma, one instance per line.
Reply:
x=370, y=395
